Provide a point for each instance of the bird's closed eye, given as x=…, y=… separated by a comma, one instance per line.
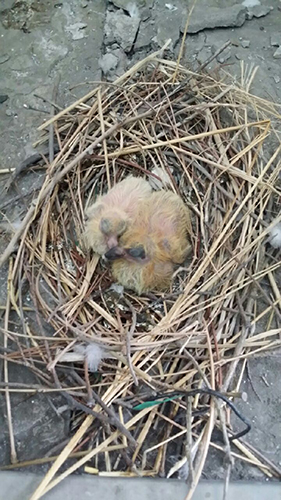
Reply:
x=105, y=226
x=137, y=252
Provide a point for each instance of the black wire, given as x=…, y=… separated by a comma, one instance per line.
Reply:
x=210, y=392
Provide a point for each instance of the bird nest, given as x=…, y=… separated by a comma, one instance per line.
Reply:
x=169, y=364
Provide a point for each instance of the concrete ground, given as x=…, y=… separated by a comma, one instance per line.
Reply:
x=83, y=41
x=15, y=486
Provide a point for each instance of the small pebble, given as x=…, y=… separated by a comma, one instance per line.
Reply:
x=108, y=62
x=224, y=57
x=276, y=79
x=3, y=98
x=275, y=40
x=277, y=53
x=259, y=11
x=245, y=44
x=170, y=7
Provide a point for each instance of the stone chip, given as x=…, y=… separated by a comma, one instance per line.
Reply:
x=77, y=30
x=127, y=4
x=213, y=17
x=275, y=40
x=258, y=11
x=108, y=62
x=121, y=29
x=277, y=53
x=3, y=98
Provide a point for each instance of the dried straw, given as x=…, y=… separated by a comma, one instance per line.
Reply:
x=213, y=134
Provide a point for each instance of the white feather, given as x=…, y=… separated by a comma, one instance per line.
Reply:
x=182, y=465
x=119, y=289
x=275, y=236
x=10, y=227
x=183, y=472
x=93, y=354
x=164, y=179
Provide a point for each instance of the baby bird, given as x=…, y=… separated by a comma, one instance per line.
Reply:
x=110, y=216
x=157, y=240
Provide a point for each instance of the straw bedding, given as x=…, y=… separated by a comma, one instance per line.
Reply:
x=208, y=136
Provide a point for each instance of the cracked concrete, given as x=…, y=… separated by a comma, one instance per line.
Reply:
x=33, y=57
x=83, y=40
x=121, y=29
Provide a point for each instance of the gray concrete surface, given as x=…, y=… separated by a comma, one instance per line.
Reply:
x=40, y=40
x=15, y=486
x=78, y=39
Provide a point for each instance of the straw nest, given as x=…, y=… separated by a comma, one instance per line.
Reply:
x=208, y=137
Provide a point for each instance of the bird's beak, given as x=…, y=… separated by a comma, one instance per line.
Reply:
x=114, y=253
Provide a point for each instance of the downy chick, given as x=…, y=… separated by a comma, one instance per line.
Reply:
x=110, y=216
x=157, y=240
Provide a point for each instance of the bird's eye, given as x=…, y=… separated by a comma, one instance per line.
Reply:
x=105, y=226
x=137, y=252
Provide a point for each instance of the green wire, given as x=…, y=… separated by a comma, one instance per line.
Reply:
x=148, y=404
